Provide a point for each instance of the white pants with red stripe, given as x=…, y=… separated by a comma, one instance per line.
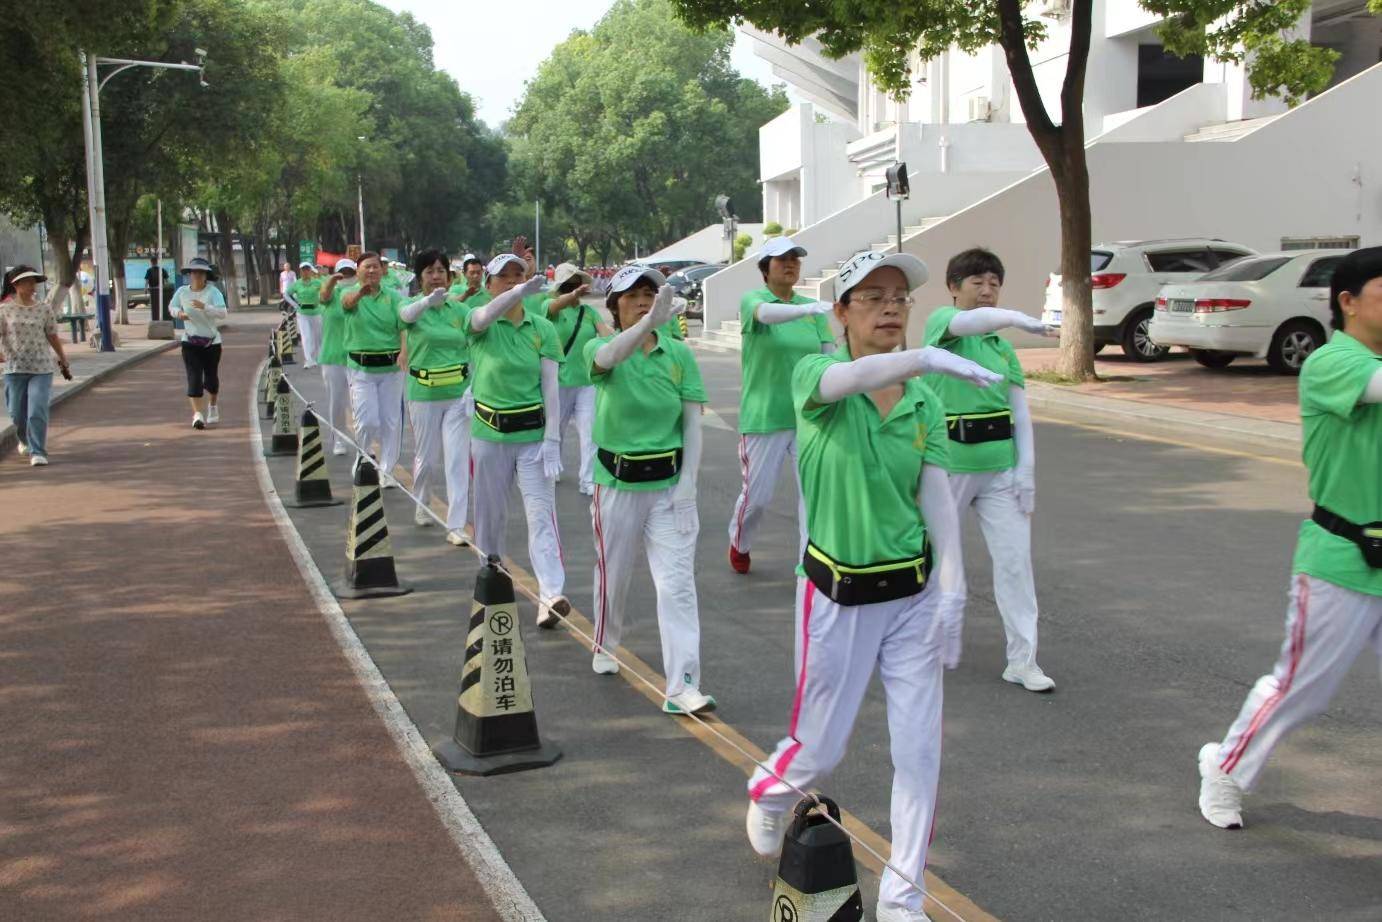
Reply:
x=624, y=520
x=376, y=400
x=761, y=455
x=497, y=466
x=336, y=403
x=1007, y=533
x=310, y=329
x=1327, y=626
x=839, y=648
x=578, y=403
x=441, y=432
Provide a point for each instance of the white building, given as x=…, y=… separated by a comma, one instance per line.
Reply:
x=977, y=178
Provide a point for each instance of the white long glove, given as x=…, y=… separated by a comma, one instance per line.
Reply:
x=551, y=405
x=482, y=317
x=679, y=306
x=411, y=312
x=947, y=568
x=877, y=371
x=684, y=493
x=1373, y=392
x=773, y=312
x=1025, y=472
x=622, y=346
x=981, y=320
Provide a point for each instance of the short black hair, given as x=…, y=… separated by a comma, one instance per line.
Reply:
x=427, y=258
x=466, y=265
x=612, y=299
x=1353, y=272
x=974, y=261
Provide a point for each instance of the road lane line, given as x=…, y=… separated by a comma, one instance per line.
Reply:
x=1044, y=418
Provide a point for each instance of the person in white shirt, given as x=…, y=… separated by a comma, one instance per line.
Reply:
x=199, y=305
x=286, y=278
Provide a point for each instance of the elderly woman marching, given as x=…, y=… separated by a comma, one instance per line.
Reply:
x=577, y=324
x=200, y=305
x=515, y=355
x=305, y=296
x=648, y=433
x=882, y=581
x=373, y=337
x=28, y=342
x=331, y=357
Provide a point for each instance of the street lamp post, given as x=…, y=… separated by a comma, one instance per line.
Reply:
x=360, y=200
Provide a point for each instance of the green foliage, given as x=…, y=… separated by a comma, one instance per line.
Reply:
x=789, y=232
x=772, y=229
x=742, y=242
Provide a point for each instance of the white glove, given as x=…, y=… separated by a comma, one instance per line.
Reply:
x=821, y=307
x=662, y=307
x=1031, y=325
x=950, y=610
x=932, y=360
x=684, y=510
x=551, y=458
x=679, y=306
x=435, y=298
x=532, y=286
x=1025, y=484
x=468, y=402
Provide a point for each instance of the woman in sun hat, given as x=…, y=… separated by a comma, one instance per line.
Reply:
x=28, y=343
x=577, y=324
x=200, y=306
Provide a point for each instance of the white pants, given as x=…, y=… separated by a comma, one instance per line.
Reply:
x=441, y=433
x=376, y=400
x=761, y=455
x=337, y=403
x=1327, y=626
x=1007, y=533
x=310, y=328
x=624, y=520
x=839, y=649
x=579, y=403
x=497, y=465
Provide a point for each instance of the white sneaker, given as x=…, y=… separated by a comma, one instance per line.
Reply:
x=765, y=830
x=340, y=450
x=604, y=664
x=457, y=538
x=587, y=489
x=198, y=422
x=420, y=517
x=1029, y=677
x=23, y=449
x=548, y=611
x=213, y=414
x=1221, y=799
x=38, y=461
x=690, y=701
x=886, y=912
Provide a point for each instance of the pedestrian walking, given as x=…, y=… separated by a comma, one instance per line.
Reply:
x=1335, y=609
x=331, y=356
x=286, y=278
x=577, y=324
x=201, y=307
x=779, y=328
x=515, y=356
x=373, y=341
x=992, y=461
x=30, y=351
x=648, y=433
x=160, y=290
x=305, y=297
x=882, y=580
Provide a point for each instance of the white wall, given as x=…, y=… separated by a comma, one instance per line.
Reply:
x=1170, y=120
x=780, y=142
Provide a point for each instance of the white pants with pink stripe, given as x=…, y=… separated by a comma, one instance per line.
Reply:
x=310, y=329
x=761, y=455
x=838, y=649
x=497, y=466
x=336, y=403
x=624, y=521
x=1327, y=626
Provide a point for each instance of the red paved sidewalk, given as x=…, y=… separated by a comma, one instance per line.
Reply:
x=183, y=738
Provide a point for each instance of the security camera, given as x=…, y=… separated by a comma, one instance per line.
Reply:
x=199, y=52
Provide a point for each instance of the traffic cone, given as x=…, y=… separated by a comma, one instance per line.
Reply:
x=284, y=440
x=816, y=879
x=369, y=569
x=285, y=344
x=683, y=326
x=312, y=487
x=496, y=728
x=293, y=333
x=272, y=374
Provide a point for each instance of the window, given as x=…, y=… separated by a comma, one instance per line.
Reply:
x=1319, y=243
x=1320, y=272
x=1251, y=269
x=1098, y=259
x=1226, y=256
x=1196, y=260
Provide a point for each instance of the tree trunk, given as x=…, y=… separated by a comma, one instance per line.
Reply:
x=1077, y=318
x=230, y=279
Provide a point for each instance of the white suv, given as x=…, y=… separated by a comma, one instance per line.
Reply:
x=1126, y=277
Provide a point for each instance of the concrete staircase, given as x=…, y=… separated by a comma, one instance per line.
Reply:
x=1229, y=131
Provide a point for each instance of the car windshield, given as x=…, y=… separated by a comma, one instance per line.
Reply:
x=701, y=272
x=1247, y=270
x=1098, y=259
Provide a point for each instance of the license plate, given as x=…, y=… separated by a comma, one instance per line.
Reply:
x=1182, y=306
x=1053, y=318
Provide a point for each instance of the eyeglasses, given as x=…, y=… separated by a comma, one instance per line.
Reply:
x=872, y=298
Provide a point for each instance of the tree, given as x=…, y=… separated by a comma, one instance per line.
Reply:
x=891, y=35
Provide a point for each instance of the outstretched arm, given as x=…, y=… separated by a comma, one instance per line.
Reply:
x=622, y=346
x=981, y=320
x=877, y=371
x=1373, y=392
x=482, y=317
x=771, y=312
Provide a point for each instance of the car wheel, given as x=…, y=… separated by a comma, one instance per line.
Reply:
x=1137, y=345
x=1292, y=345
x=1212, y=358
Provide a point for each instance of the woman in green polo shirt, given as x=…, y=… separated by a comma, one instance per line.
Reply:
x=882, y=580
x=992, y=453
x=648, y=438
x=373, y=340
x=1336, y=588
x=577, y=324
x=515, y=356
x=779, y=327
x=439, y=401
x=305, y=295
x=332, y=355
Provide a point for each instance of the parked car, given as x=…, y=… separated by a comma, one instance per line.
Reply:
x=1274, y=307
x=1126, y=277
x=663, y=265
x=687, y=284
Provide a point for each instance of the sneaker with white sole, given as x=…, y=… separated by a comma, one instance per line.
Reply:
x=604, y=664
x=340, y=450
x=1221, y=799
x=765, y=830
x=198, y=422
x=420, y=517
x=887, y=912
x=547, y=612
x=1029, y=677
x=690, y=701
x=456, y=538
x=213, y=414
x=23, y=449
x=38, y=461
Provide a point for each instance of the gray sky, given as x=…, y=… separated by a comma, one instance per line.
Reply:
x=494, y=72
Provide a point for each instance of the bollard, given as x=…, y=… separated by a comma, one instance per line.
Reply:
x=293, y=333
x=312, y=486
x=683, y=326
x=816, y=878
x=285, y=344
x=272, y=374
x=369, y=569
x=496, y=727
x=284, y=440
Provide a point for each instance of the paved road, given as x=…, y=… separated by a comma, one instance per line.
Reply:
x=1162, y=572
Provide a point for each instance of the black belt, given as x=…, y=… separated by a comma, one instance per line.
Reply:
x=441, y=377
x=1368, y=537
x=522, y=419
x=974, y=428
x=886, y=581
x=644, y=467
x=373, y=359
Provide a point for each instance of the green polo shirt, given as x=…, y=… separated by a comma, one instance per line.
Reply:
x=506, y=363
x=307, y=292
x=580, y=319
x=374, y=326
x=393, y=280
x=769, y=353
x=861, y=473
x=437, y=340
x=333, y=350
x=638, y=403
x=962, y=398
x=460, y=286
x=1342, y=448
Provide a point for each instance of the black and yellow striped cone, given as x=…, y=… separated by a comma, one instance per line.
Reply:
x=283, y=441
x=285, y=344
x=683, y=326
x=312, y=486
x=816, y=878
x=272, y=375
x=496, y=727
x=293, y=333
x=369, y=569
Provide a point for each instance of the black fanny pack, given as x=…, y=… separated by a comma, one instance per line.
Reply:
x=847, y=584
x=1368, y=537
x=980, y=427
x=373, y=359
x=440, y=377
x=523, y=419
x=641, y=468
x=201, y=342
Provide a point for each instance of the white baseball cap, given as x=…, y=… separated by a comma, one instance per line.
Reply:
x=29, y=275
x=567, y=271
x=780, y=246
x=346, y=263
x=860, y=265
x=306, y=265
x=623, y=279
x=497, y=264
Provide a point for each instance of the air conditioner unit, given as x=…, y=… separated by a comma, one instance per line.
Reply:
x=1053, y=9
x=980, y=109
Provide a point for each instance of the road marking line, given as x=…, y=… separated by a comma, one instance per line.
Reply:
x=1042, y=417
